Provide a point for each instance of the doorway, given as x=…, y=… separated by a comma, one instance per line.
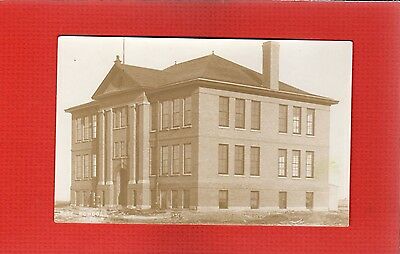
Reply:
x=121, y=187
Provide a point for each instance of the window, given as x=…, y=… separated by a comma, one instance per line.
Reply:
x=296, y=163
x=123, y=149
x=309, y=164
x=86, y=128
x=176, y=169
x=165, y=160
x=94, y=165
x=254, y=161
x=223, y=199
x=310, y=121
x=116, y=150
x=239, y=113
x=86, y=170
x=78, y=167
x=239, y=160
x=152, y=161
x=116, y=118
x=283, y=111
x=282, y=200
x=282, y=162
x=175, y=199
x=177, y=113
x=124, y=117
x=222, y=159
x=224, y=111
x=79, y=129
x=154, y=116
x=188, y=111
x=186, y=199
x=255, y=115
x=120, y=150
x=120, y=117
x=166, y=114
x=254, y=199
x=309, y=200
x=94, y=126
x=187, y=164
x=296, y=120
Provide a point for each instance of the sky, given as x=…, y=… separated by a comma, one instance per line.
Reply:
x=319, y=67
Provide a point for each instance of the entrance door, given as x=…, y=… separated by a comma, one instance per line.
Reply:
x=309, y=200
x=121, y=187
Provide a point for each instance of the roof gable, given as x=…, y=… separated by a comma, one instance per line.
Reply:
x=125, y=77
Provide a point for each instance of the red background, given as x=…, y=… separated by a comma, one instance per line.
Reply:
x=28, y=51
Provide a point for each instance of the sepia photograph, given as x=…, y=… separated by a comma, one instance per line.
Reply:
x=155, y=130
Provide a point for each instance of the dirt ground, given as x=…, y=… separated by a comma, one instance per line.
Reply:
x=68, y=214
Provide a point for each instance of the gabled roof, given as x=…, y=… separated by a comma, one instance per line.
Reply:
x=210, y=67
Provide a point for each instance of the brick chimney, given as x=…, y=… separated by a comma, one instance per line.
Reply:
x=270, y=71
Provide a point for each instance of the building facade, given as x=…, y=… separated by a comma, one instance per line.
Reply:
x=203, y=134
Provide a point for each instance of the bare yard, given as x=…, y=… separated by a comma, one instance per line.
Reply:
x=67, y=214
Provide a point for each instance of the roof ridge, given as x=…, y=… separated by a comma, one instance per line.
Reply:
x=185, y=62
x=140, y=67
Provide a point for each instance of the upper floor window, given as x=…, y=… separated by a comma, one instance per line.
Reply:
x=177, y=113
x=187, y=159
x=79, y=129
x=255, y=115
x=283, y=111
x=310, y=121
x=124, y=117
x=296, y=163
x=309, y=164
x=119, y=117
x=120, y=149
x=166, y=115
x=239, y=160
x=282, y=157
x=176, y=166
x=123, y=149
x=254, y=161
x=296, y=120
x=188, y=111
x=94, y=126
x=223, y=111
x=240, y=113
x=117, y=150
x=86, y=128
x=165, y=164
x=222, y=159
x=154, y=116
